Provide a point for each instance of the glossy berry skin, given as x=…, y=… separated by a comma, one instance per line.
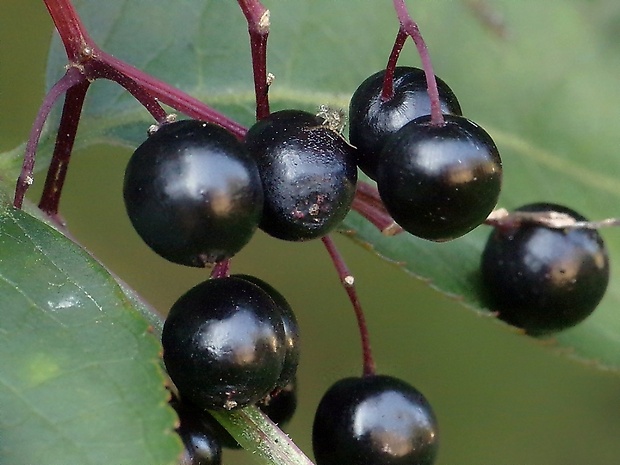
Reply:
x=291, y=329
x=202, y=447
x=372, y=120
x=439, y=182
x=545, y=280
x=378, y=420
x=193, y=193
x=224, y=344
x=308, y=171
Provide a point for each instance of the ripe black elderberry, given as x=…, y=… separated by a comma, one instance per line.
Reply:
x=281, y=404
x=224, y=344
x=372, y=119
x=291, y=329
x=202, y=447
x=378, y=420
x=542, y=279
x=439, y=182
x=308, y=172
x=193, y=193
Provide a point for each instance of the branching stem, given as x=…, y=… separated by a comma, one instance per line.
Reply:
x=71, y=30
x=72, y=77
x=91, y=63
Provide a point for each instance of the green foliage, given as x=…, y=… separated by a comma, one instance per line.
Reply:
x=75, y=352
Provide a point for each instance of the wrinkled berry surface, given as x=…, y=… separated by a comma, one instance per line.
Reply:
x=308, y=171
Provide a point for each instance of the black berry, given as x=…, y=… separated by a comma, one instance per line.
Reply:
x=224, y=344
x=291, y=329
x=542, y=279
x=378, y=420
x=202, y=446
x=439, y=182
x=281, y=404
x=308, y=172
x=193, y=193
x=372, y=119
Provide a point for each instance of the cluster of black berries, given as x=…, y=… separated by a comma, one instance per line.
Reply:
x=441, y=181
x=437, y=180
x=196, y=195
x=228, y=343
x=294, y=176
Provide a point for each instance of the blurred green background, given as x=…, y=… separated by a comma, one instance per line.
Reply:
x=501, y=399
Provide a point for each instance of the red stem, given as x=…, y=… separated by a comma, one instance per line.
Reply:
x=259, y=65
x=221, y=269
x=67, y=129
x=82, y=50
x=409, y=26
x=89, y=62
x=257, y=17
x=172, y=96
x=95, y=63
x=348, y=282
x=99, y=68
x=388, y=80
x=368, y=204
x=256, y=14
x=72, y=32
x=72, y=77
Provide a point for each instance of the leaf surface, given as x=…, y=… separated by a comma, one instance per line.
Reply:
x=81, y=380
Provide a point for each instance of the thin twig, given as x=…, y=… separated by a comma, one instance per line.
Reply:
x=72, y=77
x=387, y=92
x=65, y=138
x=221, y=269
x=348, y=282
x=258, y=20
x=173, y=97
x=368, y=204
x=503, y=219
x=409, y=26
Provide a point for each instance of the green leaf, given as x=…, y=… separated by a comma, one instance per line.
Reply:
x=81, y=380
